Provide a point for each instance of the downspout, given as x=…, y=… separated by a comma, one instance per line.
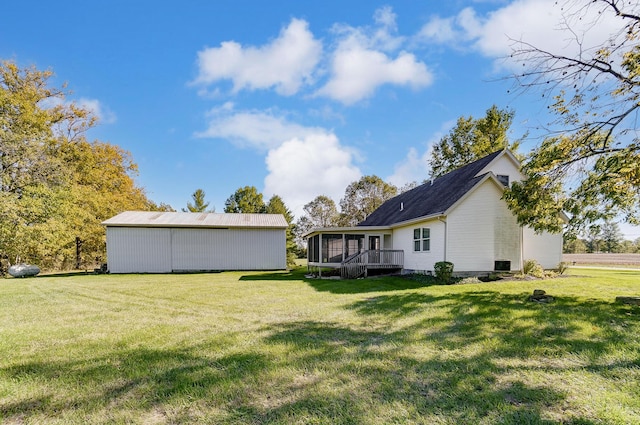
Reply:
x=522, y=249
x=445, y=236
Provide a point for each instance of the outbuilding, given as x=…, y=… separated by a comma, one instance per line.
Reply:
x=166, y=242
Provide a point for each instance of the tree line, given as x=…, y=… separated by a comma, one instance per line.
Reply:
x=55, y=185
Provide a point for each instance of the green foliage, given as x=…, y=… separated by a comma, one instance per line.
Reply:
x=443, y=271
x=245, y=200
x=54, y=184
x=363, y=197
x=277, y=206
x=563, y=266
x=198, y=205
x=590, y=164
x=532, y=268
x=472, y=139
x=321, y=212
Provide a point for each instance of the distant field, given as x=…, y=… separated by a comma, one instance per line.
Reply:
x=603, y=259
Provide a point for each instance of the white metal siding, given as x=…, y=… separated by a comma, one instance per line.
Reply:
x=138, y=250
x=545, y=248
x=228, y=249
x=403, y=239
x=163, y=250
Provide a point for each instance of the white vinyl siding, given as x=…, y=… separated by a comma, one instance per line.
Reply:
x=420, y=260
x=481, y=231
x=503, y=166
x=545, y=248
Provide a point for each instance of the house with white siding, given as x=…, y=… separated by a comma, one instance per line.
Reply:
x=459, y=217
x=166, y=242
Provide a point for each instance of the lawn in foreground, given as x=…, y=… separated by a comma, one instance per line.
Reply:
x=278, y=348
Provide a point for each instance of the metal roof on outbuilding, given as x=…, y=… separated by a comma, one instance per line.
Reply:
x=195, y=220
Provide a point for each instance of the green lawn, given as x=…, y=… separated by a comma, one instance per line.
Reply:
x=260, y=348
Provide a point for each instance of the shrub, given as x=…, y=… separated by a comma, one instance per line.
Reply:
x=532, y=268
x=443, y=271
x=470, y=280
x=563, y=267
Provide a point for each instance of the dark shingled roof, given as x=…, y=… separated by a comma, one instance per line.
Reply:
x=429, y=199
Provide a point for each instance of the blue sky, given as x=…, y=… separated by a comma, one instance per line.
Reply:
x=296, y=98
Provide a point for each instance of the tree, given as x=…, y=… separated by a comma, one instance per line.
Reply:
x=321, y=212
x=611, y=237
x=277, y=206
x=245, y=200
x=198, y=205
x=574, y=246
x=55, y=185
x=593, y=239
x=472, y=139
x=363, y=197
x=589, y=165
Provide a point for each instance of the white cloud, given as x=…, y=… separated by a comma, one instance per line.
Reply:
x=414, y=167
x=94, y=106
x=541, y=23
x=362, y=61
x=302, y=162
x=303, y=168
x=104, y=114
x=284, y=64
x=263, y=130
x=358, y=72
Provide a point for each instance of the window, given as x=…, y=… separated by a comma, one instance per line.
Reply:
x=422, y=239
x=314, y=249
x=354, y=244
x=332, y=248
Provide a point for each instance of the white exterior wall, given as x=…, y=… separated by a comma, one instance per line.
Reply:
x=163, y=250
x=482, y=230
x=505, y=166
x=138, y=250
x=545, y=248
x=229, y=249
x=420, y=261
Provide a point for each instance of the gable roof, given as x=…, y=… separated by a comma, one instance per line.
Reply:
x=195, y=220
x=431, y=198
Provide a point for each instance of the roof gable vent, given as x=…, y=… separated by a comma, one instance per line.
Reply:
x=504, y=179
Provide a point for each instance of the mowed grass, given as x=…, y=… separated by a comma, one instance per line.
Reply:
x=257, y=348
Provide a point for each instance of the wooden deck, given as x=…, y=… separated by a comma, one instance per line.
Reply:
x=359, y=264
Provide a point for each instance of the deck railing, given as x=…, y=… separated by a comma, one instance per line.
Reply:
x=357, y=265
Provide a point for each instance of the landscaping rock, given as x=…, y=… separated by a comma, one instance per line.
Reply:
x=23, y=270
x=540, y=296
x=628, y=300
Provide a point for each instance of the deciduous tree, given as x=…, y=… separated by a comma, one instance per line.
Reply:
x=245, y=200
x=589, y=165
x=362, y=197
x=321, y=212
x=54, y=184
x=472, y=139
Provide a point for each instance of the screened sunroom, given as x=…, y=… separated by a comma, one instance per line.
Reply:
x=352, y=250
